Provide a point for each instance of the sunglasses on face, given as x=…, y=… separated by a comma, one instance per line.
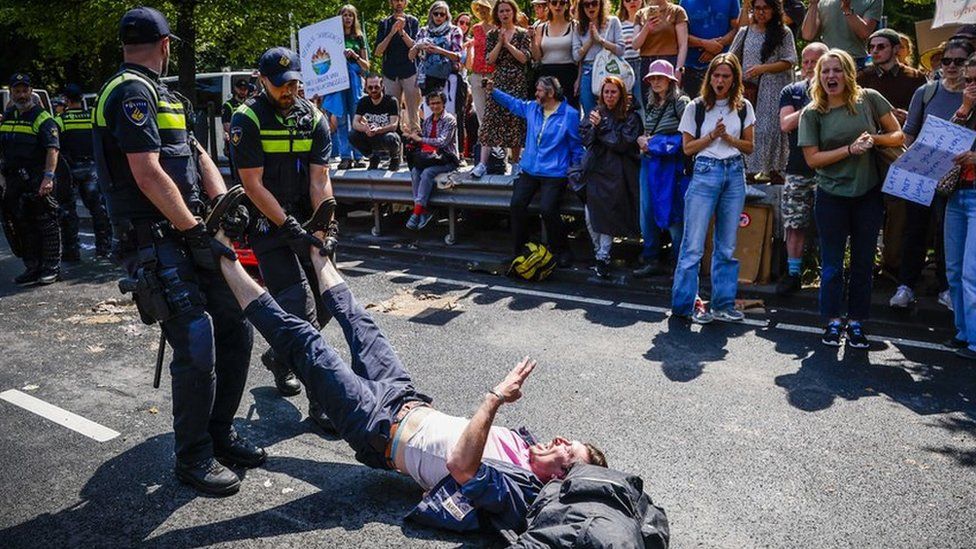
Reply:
x=439, y=14
x=761, y=8
x=590, y=4
x=881, y=46
x=957, y=61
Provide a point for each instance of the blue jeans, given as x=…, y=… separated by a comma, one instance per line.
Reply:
x=350, y=98
x=423, y=181
x=718, y=187
x=840, y=218
x=362, y=399
x=586, y=98
x=960, y=253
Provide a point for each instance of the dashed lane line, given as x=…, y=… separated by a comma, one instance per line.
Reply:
x=62, y=417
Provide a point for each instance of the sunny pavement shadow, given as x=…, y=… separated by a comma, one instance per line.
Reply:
x=683, y=352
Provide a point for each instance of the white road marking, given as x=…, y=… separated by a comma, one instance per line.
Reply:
x=60, y=416
x=622, y=304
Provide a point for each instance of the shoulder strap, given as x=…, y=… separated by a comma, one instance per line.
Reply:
x=699, y=115
x=113, y=83
x=743, y=112
x=931, y=89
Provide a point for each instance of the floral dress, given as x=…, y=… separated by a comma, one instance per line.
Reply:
x=772, y=147
x=501, y=128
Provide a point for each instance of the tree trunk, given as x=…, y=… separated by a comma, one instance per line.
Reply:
x=186, y=49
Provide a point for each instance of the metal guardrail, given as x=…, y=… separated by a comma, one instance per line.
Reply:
x=491, y=192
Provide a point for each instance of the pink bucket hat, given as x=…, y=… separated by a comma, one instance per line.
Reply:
x=660, y=68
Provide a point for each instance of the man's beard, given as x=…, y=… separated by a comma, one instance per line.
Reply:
x=23, y=104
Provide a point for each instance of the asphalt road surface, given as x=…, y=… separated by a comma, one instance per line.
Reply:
x=750, y=435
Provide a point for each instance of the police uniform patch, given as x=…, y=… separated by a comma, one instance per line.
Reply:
x=136, y=110
x=235, y=135
x=283, y=61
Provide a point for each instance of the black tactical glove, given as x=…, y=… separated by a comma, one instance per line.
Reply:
x=205, y=250
x=298, y=238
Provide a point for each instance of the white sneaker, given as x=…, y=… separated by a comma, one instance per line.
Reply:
x=479, y=171
x=945, y=299
x=903, y=298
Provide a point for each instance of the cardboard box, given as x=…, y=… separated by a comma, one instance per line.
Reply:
x=753, y=247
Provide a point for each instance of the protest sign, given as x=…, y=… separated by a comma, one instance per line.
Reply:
x=321, y=48
x=915, y=174
x=954, y=12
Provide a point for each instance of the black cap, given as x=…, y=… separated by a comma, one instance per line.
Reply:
x=19, y=78
x=73, y=92
x=280, y=65
x=143, y=25
x=241, y=83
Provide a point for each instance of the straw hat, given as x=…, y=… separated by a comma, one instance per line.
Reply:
x=480, y=6
x=925, y=59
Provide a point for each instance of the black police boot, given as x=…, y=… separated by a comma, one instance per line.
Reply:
x=209, y=477
x=317, y=415
x=374, y=162
x=235, y=450
x=29, y=277
x=285, y=380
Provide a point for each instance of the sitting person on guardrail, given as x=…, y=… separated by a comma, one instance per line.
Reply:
x=374, y=128
x=474, y=474
x=435, y=152
x=552, y=145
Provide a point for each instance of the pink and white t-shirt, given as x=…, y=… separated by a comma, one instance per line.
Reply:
x=426, y=452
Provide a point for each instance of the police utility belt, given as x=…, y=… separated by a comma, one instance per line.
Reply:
x=160, y=294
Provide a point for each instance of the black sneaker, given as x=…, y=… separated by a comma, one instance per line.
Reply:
x=49, y=275
x=603, y=268
x=955, y=343
x=565, y=259
x=235, y=450
x=285, y=380
x=358, y=164
x=28, y=277
x=394, y=164
x=208, y=476
x=374, y=162
x=832, y=335
x=790, y=283
x=344, y=164
x=856, y=337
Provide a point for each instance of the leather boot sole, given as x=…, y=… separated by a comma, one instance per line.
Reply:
x=209, y=489
x=231, y=199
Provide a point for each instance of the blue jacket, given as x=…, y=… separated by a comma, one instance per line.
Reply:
x=551, y=146
x=496, y=499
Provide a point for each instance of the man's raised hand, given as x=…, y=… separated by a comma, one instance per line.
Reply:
x=510, y=388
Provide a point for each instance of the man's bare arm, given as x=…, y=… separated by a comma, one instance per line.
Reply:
x=466, y=455
x=160, y=189
x=50, y=165
x=320, y=186
x=213, y=182
x=252, y=178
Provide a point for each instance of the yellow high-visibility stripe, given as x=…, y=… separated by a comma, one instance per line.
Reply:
x=170, y=121
x=17, y=128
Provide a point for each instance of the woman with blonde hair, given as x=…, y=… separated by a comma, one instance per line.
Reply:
x=717, y=130
x=839, y=132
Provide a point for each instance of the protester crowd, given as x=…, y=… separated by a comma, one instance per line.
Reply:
x=656, y=114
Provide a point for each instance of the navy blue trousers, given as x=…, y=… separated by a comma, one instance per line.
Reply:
x=361, y=399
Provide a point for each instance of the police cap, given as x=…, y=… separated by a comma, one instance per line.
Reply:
x=280, y=65
x=143, y=25
x=20, y=79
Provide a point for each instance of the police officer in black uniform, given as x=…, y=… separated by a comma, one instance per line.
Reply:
x=29, y=142
x=280, y=145
x=76, y=151
x=237, y=98
x=154, y=176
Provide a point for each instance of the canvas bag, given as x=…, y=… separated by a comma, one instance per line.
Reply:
x=607, y=64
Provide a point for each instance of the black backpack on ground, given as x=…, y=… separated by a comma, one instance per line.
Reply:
x=594, y=507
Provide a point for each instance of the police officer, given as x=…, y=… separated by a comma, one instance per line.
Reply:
x=76, y=150
x=280, y=145
x=29, y=141
x=237, y=98
x=154, y=176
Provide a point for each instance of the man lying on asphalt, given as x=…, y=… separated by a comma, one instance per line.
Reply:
x=474, y=474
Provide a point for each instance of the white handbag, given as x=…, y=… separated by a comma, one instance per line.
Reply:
x=607, y=64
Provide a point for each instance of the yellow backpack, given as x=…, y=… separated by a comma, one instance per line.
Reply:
x=535, y=263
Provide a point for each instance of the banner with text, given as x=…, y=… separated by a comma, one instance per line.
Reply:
x=954, y=12
x=916, y=173
x=321, y=48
